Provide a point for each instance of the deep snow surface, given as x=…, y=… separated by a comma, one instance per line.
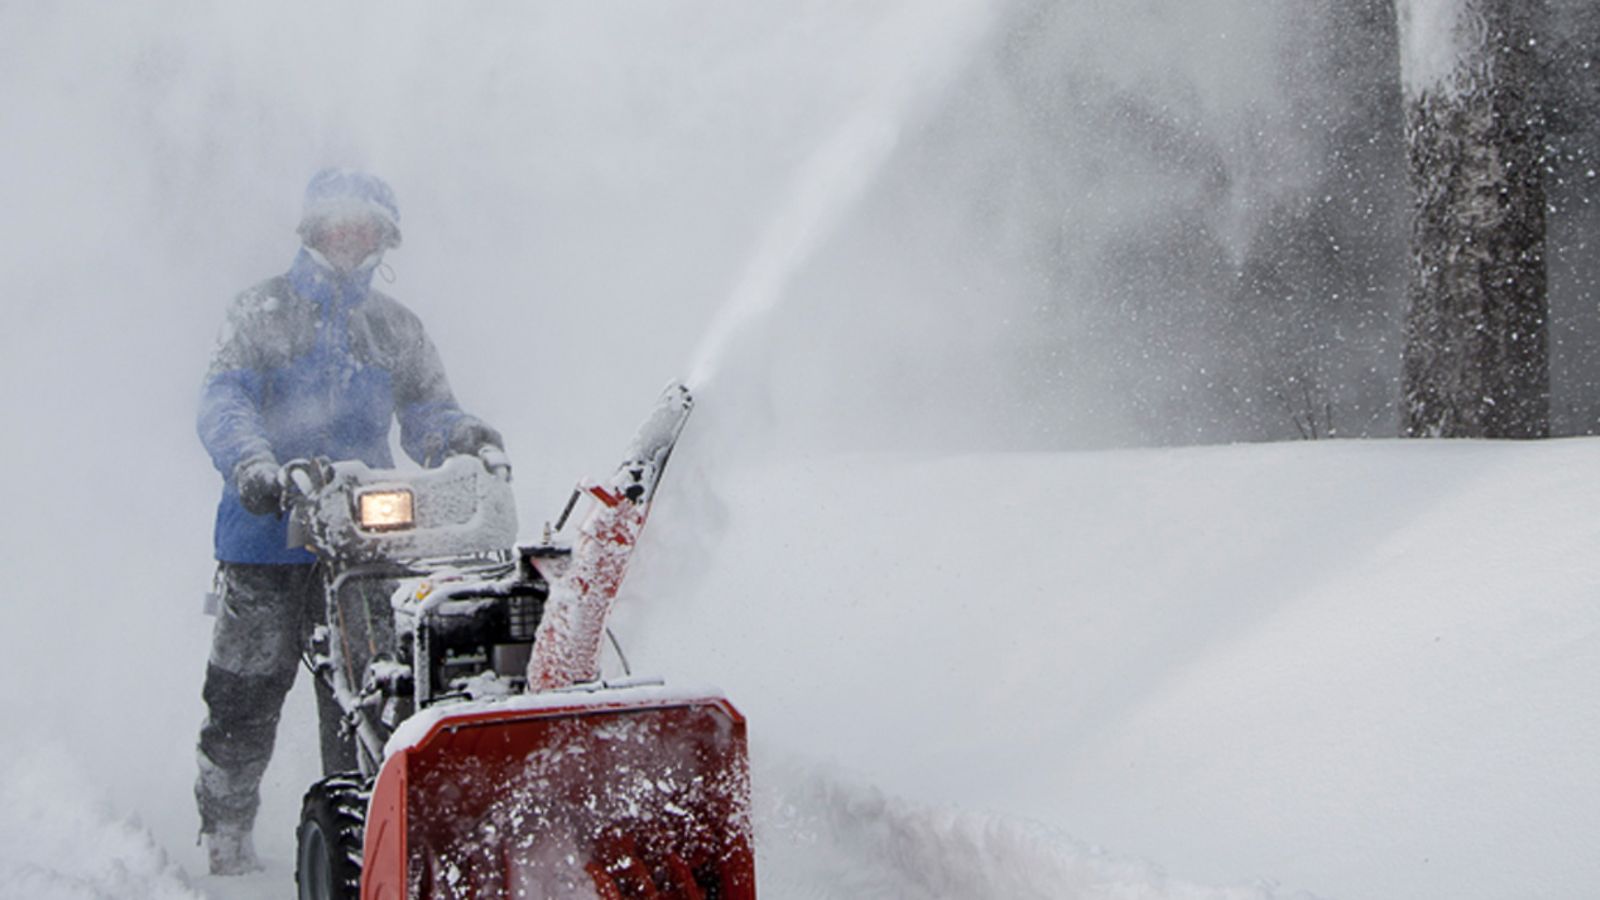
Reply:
x=1348, y=669
x=1358, y=669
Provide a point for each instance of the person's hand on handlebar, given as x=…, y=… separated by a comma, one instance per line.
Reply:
x=260, y=485
x=470, y=436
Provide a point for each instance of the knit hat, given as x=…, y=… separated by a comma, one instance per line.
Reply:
x=345, y=193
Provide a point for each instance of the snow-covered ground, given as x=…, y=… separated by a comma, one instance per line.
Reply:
x=1357, y=669
x=1344, y=669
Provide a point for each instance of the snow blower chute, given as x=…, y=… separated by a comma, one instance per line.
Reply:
x=493, y=760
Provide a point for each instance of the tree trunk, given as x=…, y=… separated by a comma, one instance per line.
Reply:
x=1476, y=353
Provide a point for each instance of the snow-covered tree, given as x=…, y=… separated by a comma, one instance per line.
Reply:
x=1476, y=357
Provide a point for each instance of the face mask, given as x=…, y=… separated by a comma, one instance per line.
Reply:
x=349, y=245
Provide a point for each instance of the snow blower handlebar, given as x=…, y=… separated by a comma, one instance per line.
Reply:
x=496, y=461
x=303, y=477
x=300, y=480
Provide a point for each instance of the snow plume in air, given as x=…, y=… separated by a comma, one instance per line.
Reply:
x=1432, y=31
x=1109, y=224
x=831, y=182
x=826, y=186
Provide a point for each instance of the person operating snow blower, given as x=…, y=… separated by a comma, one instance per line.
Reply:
x=312, y=363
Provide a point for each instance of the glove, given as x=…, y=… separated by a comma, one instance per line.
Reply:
x=470, y=435
x=260, y=491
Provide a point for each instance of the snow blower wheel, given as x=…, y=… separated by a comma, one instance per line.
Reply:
x=328, y=857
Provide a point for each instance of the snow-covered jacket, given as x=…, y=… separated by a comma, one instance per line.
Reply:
x=316, y=363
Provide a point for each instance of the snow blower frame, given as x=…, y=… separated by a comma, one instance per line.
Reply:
x=492, y=760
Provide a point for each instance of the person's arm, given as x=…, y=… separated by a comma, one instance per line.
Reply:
x=229, y=420
x=432, y=424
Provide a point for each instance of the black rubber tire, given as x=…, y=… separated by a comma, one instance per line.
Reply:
x=328, y=841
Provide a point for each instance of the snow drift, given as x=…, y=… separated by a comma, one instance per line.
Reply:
x=59, y=841
x=1358, y=669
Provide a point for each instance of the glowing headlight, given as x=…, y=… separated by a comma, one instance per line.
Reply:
x=386, y=510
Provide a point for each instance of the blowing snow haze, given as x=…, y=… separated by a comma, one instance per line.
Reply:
x=907, y=226
x=1017, y=225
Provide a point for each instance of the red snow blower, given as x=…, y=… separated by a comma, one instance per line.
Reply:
x=493, y=760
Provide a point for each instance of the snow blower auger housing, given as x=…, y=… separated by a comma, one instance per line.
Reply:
x=492, y=760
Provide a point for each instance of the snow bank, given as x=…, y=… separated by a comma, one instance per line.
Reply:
x=58, y=841
x=1358, y=669
x=821, y=836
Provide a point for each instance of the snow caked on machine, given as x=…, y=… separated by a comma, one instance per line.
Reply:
x=493, y=760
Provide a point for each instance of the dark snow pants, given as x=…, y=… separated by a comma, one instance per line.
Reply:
x=264, y=616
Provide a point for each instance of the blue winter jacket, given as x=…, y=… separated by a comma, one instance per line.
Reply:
x=315, y=363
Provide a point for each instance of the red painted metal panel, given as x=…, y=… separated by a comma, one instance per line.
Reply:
x=631, y=800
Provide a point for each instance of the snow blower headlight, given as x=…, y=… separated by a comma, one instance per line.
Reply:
x=385, y=510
